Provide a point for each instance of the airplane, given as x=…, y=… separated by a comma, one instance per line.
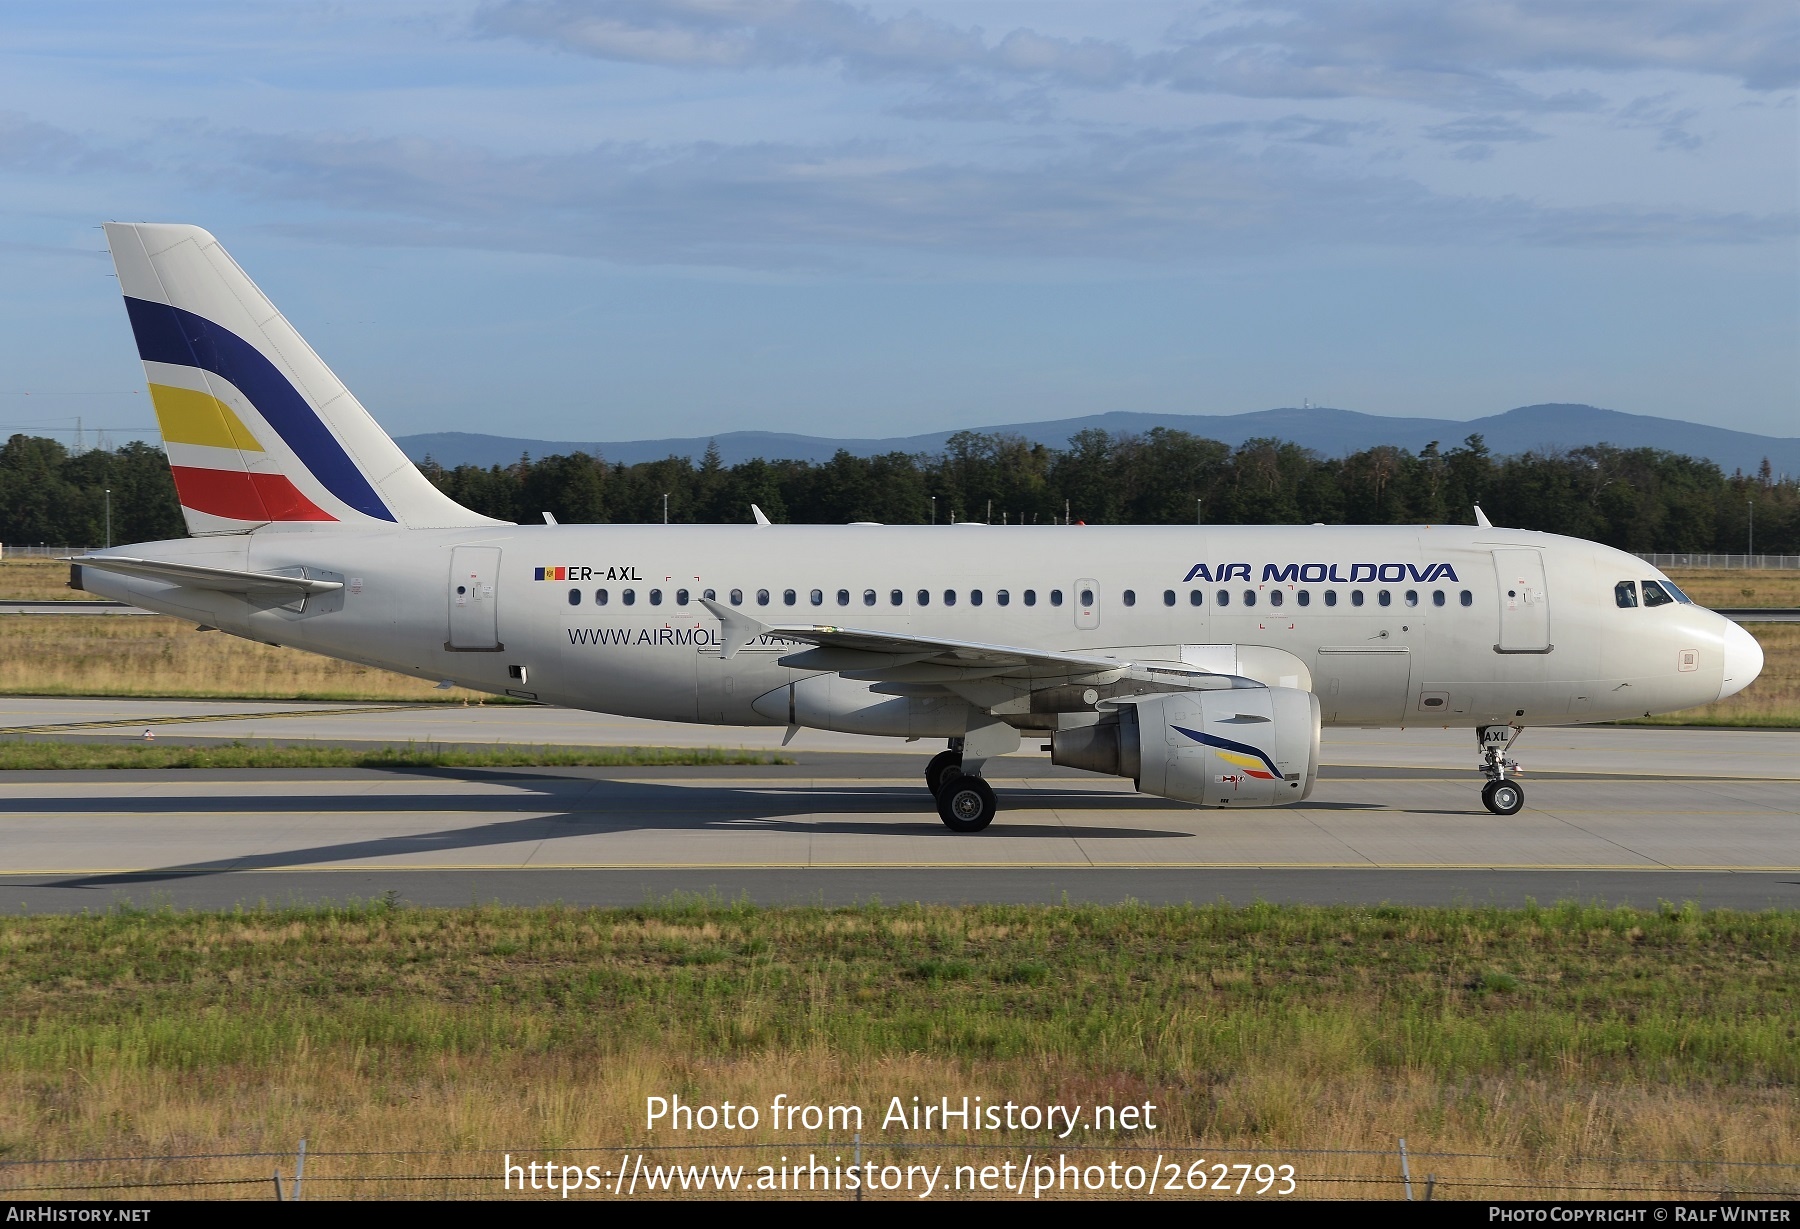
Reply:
x=1200, y=662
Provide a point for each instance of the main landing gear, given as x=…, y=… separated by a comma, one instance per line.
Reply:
x=965, y=802
x=1500, y=795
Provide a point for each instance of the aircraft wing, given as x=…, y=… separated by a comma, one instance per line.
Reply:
x=905, y=664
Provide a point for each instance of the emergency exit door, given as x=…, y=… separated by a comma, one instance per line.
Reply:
x=474, y=621
x=1524, y=602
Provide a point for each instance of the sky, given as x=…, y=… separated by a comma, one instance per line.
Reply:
x=574, y=220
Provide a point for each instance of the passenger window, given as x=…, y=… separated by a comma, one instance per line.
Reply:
x=710, y=595
x=574, y=597
x=737, y=597
x=974, y=597
x=1130, y=597
x=924, y=597
x=949, y=597
x=1224, y=597
x=1385, y=598
x=1625, y=594
x=816, y=597
x=681, y=597
x=789, y=597
x=895, y=597
x=1356, y=597
x=1437, y=597
x=1412, y=597
x=599, y=597
x=843, y=597
x=1087, y=598
x=1468, y=599
x=629, y=597
x=1031, y=597
x=1056, y=597
x=656, y=597
x=1655, y=594
x=1304, y=597
x=1331, y=597
x=1003, y=596
x=1275, y=597
x=1195, y=597
x=1169, y=596
x=868, y=597
x=1249, y=597
x=762, y=597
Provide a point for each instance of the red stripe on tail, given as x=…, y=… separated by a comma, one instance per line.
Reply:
x=241, y=496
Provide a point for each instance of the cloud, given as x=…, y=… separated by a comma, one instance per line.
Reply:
x=1149, y=197
x=790, y=33
x=1669, y=122
x=1462, y=54
x=30, y=145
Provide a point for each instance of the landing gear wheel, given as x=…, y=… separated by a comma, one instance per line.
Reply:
x=966, y=804
x=1502, y=797
x=943, y=766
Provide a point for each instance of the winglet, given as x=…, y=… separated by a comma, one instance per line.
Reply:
x=1481, y=518
x=762, y=518
x=739, y=628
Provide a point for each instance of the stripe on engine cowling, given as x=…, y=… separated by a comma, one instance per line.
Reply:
x=1225, y=744
x=168, y=334
x=241, y=496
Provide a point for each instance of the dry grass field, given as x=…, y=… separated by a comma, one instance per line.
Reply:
x=1545, y=1042
x=37, y=580
x=1722, y=588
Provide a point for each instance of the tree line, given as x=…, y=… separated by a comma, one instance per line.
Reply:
x=1637, y=499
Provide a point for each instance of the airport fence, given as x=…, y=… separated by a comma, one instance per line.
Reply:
x=1042, y=1169
x=15, y=550
x=1676, y=559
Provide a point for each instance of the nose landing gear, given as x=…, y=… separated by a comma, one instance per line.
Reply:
x=1500, y=795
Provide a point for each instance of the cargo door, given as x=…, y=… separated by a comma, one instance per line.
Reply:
x=1359, y=686
x=474, y=622
x=1524, y=602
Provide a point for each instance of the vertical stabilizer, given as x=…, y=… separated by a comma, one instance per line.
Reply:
x=258, y=430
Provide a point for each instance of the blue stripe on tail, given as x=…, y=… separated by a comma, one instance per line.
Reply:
x=168, y=334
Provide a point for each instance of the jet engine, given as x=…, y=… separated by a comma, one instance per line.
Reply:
x=1255, y=746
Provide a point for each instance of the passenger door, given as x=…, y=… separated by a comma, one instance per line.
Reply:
x=1087, y=605
x=1524, y=602
x=474, y=622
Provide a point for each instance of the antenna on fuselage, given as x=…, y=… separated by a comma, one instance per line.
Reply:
x=762, y=517
x=549, y=519
x=1481, y=518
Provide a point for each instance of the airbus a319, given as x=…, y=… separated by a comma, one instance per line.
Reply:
x=1201, y=662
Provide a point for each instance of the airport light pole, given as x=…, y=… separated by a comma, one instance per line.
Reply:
x=934, y=509
x=1750, y=531
x=665, y=507
x=108, y=518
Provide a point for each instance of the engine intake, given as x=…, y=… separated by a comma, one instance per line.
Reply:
x=1255, y=747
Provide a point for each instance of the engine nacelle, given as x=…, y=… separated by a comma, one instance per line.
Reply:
x=1256, y=747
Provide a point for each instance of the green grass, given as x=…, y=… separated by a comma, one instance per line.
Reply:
x=73, y=755
x=1674, y=995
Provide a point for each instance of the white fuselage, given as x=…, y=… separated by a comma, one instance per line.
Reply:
x=1389, y=626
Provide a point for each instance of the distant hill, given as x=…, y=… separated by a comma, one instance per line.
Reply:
x=1328, y=432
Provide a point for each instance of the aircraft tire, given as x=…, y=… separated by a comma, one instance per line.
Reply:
x=943, y=766
x=966, y=804
x=1503, y=797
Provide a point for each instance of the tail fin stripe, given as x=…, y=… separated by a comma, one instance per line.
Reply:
x=189, y=417
x=244, y=496
x=167, y=334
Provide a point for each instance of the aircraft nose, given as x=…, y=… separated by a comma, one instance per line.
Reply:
x=1743, y=661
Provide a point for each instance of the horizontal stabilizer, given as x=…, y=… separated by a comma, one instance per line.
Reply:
x=193, y=576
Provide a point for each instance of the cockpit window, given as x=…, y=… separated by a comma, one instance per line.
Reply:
x=1625, y=594
x=1677, y=593
x=1655, y=594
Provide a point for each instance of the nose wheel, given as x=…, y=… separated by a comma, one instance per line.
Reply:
x=1501, y=795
